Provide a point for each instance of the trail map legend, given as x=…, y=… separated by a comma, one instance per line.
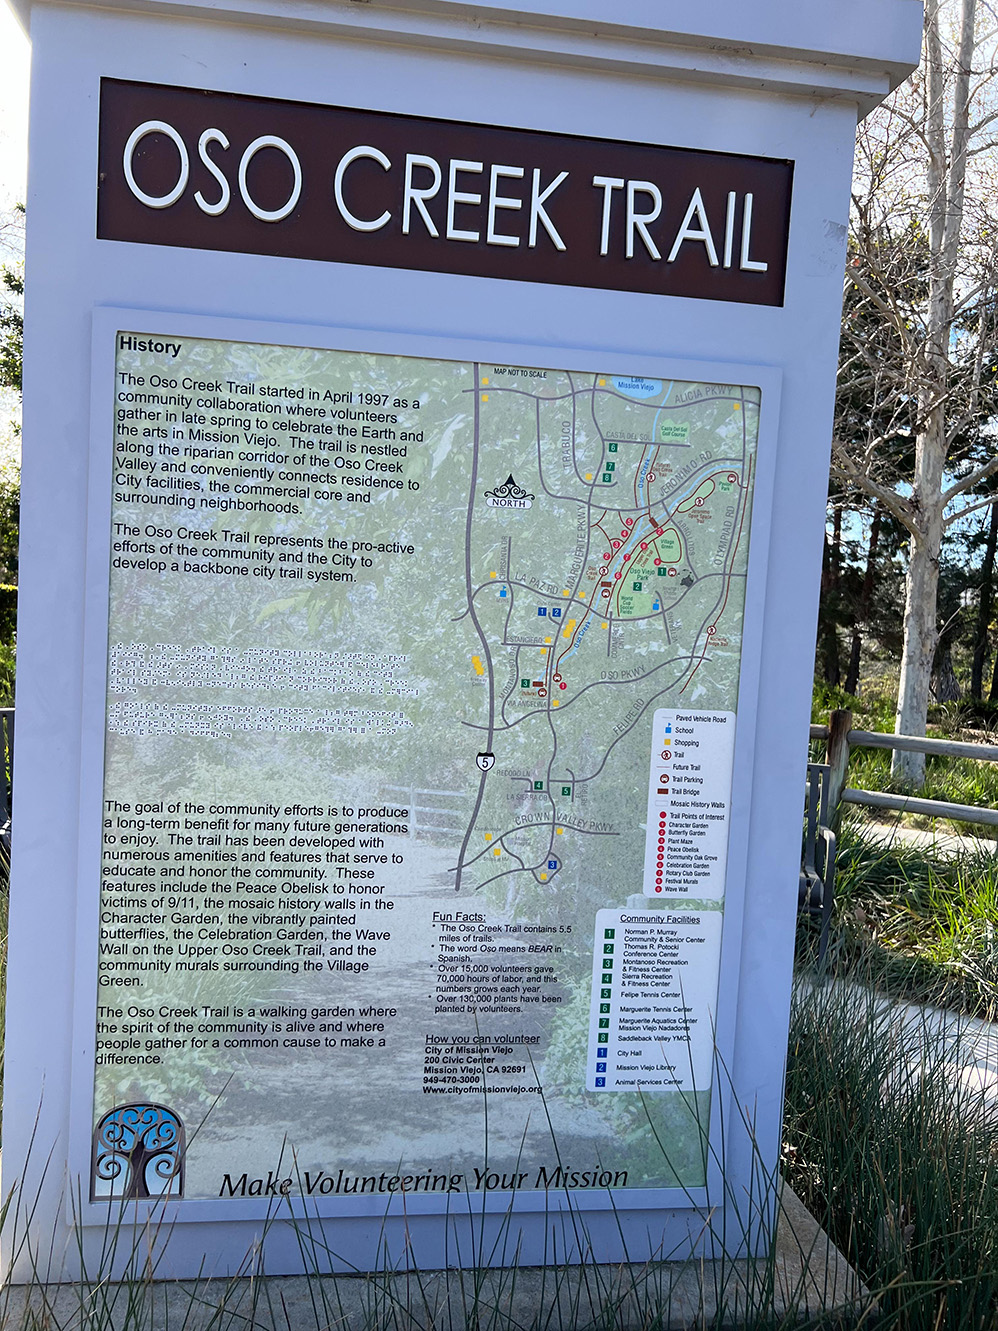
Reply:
x=689, y=795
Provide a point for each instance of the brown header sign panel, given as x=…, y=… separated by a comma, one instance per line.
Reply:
x=253, y=175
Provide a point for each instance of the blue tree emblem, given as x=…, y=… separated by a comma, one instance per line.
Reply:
x=138, y=1153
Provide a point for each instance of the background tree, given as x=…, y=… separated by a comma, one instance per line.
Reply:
x=11, y=327
x=919, y=324
x=11, y=356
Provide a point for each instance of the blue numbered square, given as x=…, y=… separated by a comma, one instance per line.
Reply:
x=542, y=609
x=556, y=612
x=600, y=1081
x=601, y=1051
x=600, y=1067
x=552, y=864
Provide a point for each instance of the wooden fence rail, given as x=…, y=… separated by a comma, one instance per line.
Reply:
x=840, y=739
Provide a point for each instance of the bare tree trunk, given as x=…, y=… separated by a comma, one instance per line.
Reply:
x=855, y=659
x=829, y=597
x=945, y=685
x=946, y=180
x=866, y=599
x=920, y=639
x=984, y=604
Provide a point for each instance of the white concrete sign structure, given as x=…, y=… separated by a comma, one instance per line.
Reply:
x=425, y=445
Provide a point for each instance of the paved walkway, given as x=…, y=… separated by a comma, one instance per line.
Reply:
x=938, y=841
x=930, y=1041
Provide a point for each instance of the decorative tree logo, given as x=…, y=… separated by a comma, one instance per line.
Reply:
x=138, y=1153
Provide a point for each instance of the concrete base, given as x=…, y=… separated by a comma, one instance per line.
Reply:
x=807, y=1277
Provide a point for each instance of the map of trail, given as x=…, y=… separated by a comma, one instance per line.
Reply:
x=422, y=692
x=606, y=556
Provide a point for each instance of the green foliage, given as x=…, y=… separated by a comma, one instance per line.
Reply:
x=10, y=508
x=956, y=780
x=11, y=327
x=10, y=495
x=873, y=710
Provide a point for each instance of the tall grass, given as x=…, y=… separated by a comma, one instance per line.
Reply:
x=896, y=1151
x=917, y=927
x=699, y=1294
x=891, y=1147
x=492, y=1290
x=958, y=780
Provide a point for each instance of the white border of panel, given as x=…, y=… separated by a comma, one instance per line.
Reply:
x=692, y=1205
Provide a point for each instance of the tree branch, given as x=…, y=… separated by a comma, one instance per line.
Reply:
x=970, y=481
x=844, y=469
x=970, y=508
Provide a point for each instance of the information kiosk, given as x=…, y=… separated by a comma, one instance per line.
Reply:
x=426, y=431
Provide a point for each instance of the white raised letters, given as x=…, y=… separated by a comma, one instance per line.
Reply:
x=412, y=195
x=213, y=209
x=496, y=200
x=134, y=139
x=455, y=196
x=348, y=158
x=270, y=141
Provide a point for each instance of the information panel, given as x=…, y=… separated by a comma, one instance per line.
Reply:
x=422, y=684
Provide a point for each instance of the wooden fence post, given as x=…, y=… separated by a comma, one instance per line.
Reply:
x=837, y=758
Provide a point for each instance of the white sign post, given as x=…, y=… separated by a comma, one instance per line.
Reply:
x=421, y=530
